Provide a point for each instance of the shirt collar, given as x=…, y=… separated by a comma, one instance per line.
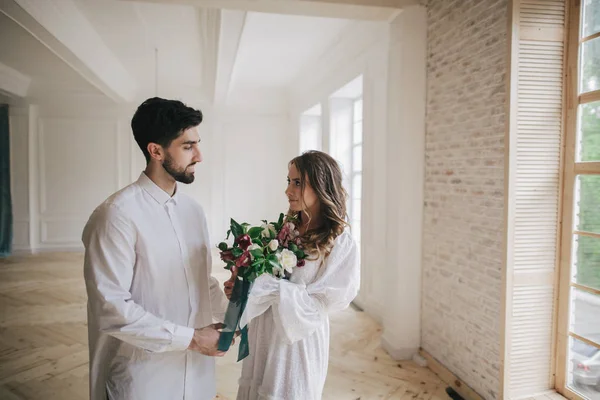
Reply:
x=155, y=191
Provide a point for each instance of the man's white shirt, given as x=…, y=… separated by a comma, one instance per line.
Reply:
x=148, y=277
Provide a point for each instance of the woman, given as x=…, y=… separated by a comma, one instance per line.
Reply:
x=288, y=319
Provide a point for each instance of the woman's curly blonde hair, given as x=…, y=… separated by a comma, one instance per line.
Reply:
x=324, y=175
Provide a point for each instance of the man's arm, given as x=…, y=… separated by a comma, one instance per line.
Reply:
x=109, y=240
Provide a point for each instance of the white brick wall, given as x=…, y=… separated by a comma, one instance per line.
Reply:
x=464, y=188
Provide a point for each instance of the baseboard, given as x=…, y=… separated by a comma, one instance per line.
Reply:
x=40, y=250
x=449, y=378
x=404, y=353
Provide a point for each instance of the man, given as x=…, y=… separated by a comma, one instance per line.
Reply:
x=151, y=298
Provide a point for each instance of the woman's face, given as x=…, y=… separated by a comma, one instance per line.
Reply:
x=309, y=201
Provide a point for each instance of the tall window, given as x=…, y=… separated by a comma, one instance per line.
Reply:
x=579, y=313
x=357, y=140
x=346, y=139
x=342, y=121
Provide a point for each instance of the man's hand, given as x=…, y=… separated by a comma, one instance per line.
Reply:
x=206, y=340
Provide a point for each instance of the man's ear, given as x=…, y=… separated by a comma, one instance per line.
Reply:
x=156, y=151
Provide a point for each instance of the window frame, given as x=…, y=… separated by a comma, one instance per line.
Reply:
x=571, y=170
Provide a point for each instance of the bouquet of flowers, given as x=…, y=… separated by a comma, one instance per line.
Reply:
x=273, y=248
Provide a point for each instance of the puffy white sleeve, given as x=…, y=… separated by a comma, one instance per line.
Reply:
x=300, y=310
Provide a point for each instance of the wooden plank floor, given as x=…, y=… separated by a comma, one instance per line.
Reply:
x=44, y=355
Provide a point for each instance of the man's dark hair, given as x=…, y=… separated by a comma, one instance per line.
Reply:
x=161, y=121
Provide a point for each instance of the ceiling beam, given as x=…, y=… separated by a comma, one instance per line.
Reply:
x=377, y=10
x=232, y=29
x=210, y=22
x=12, y=82
x=62, y=28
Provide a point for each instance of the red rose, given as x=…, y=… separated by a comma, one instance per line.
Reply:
x=301, y=263
x=244, y=241
x=243, y=260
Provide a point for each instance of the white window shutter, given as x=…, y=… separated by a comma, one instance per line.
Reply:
x=534, y=157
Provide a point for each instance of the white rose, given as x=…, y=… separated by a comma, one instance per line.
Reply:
x=287, y=259
x=268, y=230
x=253, y=246
x=274, y=244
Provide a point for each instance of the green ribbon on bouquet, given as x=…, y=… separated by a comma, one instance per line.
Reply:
x=235, y=309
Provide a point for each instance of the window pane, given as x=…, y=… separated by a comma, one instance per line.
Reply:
x=357, y=187
x=590, y=66
x=355, y=227
x=588, y=140
x=585, y=309
x=358, y=133
x=586, y=262
x=356, y=204
x=587, y=203
x=591, y=17
x=583, y=369
x=357, y=159
x=358, y=110
x=341, y=136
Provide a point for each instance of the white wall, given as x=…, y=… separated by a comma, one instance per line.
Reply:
x=391, y=59
x=405, y=181
x=18, y=128
x=63, y=164
x=362, y=52
x=249, y=164
x=66, y=159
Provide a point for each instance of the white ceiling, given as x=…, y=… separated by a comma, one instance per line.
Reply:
x=275, y=48
x=272, y=51
x=134, y=30
x=49, y=74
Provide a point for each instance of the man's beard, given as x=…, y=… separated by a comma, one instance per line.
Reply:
x=180, y=175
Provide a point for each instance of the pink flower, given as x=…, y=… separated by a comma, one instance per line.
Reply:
x=288, y=232
x=244, y=241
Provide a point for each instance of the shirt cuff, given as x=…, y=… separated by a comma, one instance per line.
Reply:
x=182, y=337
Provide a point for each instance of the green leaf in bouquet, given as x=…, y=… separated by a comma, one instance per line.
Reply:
x=223, y=246
x=228, y=233
x=257, y=253
x=236, y=228
x=280, y=221
x=245, y=226
x=293, y=247
x=258, y=242
x=236, y=251
x=273, y=261
x=255, y=232
x=300, y=254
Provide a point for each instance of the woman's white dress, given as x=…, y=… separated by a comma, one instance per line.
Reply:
x=289, y=326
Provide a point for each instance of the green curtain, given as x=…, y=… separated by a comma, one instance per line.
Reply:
x=6, y=217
